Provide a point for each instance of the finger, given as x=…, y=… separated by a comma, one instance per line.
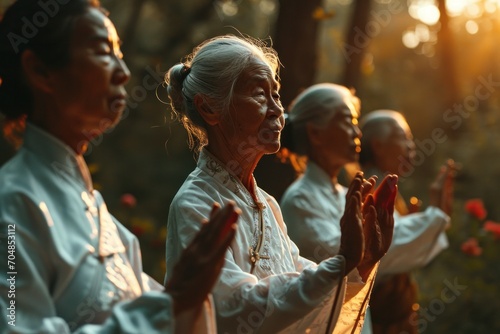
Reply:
x=355, y=185
x=386, y=190
x=368, y=186
x=352, y=240
x=392, y=200
x=222, y=221
x=369, y=201
x=230, y=226
x=373, y=234
x=215, y=208
x=224, y=243
x=211, y=231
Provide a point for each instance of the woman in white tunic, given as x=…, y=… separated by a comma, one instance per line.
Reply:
x=323, y=128
x=226, y=95
x=67, y=264
x=387, y=146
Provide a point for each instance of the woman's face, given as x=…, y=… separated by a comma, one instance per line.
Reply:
x=255, y=119
x=89, y=92
x=398, y=145
x=338, y=141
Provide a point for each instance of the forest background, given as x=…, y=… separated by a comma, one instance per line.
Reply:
x=436, y=61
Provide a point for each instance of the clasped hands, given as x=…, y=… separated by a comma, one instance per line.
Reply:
x=367, y=225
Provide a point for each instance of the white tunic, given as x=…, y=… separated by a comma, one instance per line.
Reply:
x=74, y=267
x=312, y=207
x=280, y=292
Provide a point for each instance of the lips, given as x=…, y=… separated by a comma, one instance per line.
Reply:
x=118, y=102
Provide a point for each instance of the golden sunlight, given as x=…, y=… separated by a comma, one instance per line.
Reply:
x=472, y=27
x=425, y=11
x=456, y=7
x=471, y=8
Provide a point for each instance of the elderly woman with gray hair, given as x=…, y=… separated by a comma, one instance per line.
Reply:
x=324, y=136
x=227, y=96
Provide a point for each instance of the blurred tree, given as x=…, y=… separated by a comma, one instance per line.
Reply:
x=296, y=36
x=450, y=92
x=356, y=42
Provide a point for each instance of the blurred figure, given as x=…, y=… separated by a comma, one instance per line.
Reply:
x=227, y=96
x=321, y=137
x=386, y=144
x=67, y=265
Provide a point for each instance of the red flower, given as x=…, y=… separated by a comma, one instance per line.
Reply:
x=492, y=227
x=128, y=200
x=475, y=208
x=471, y=247
x=138, y=231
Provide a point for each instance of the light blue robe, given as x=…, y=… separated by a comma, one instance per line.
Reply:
x=74, y=267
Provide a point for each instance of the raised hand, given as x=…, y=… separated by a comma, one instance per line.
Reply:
x=378, y=223
x=352, y=245
x=368, y=187
x=384, y=198
x=201, y=262
x=441, y=191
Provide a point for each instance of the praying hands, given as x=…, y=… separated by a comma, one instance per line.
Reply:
x=368, y=223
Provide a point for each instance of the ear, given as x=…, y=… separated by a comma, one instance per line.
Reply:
x=377, y=147
x=202, y=104
x=36, y=72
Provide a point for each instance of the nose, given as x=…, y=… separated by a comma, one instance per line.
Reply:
x=410, y=144
x=275, y=108
x=121, y=74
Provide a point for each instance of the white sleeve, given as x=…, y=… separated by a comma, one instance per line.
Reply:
x=33, y=309
x=246, y=303
x=271, y=304
x=417, y=239
x=316, y=233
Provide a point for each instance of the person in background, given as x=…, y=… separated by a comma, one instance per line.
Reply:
x=387, y=142
x=321, y=137
x=226, y=94
x=67, y=264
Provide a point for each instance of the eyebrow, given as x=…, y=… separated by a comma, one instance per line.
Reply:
x=105, y=39
x=259, y=79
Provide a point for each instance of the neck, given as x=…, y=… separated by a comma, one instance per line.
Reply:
x=62, y=129
x=240, y=162
x=330, y=168
x=374, y=169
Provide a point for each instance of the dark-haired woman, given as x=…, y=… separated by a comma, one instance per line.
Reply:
x=68, y=265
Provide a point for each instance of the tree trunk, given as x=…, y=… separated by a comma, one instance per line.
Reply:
x=356, y=42
x=129, y=32
x=295, y=40
x=445, y=48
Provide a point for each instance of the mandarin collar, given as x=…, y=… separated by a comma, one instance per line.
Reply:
x=321, y=178
x=208, y=163
x=57, y=154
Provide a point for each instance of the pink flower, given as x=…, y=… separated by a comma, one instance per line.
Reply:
x=475, y=208
x=128, y=200
x=471, y=247
x=492, y=227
